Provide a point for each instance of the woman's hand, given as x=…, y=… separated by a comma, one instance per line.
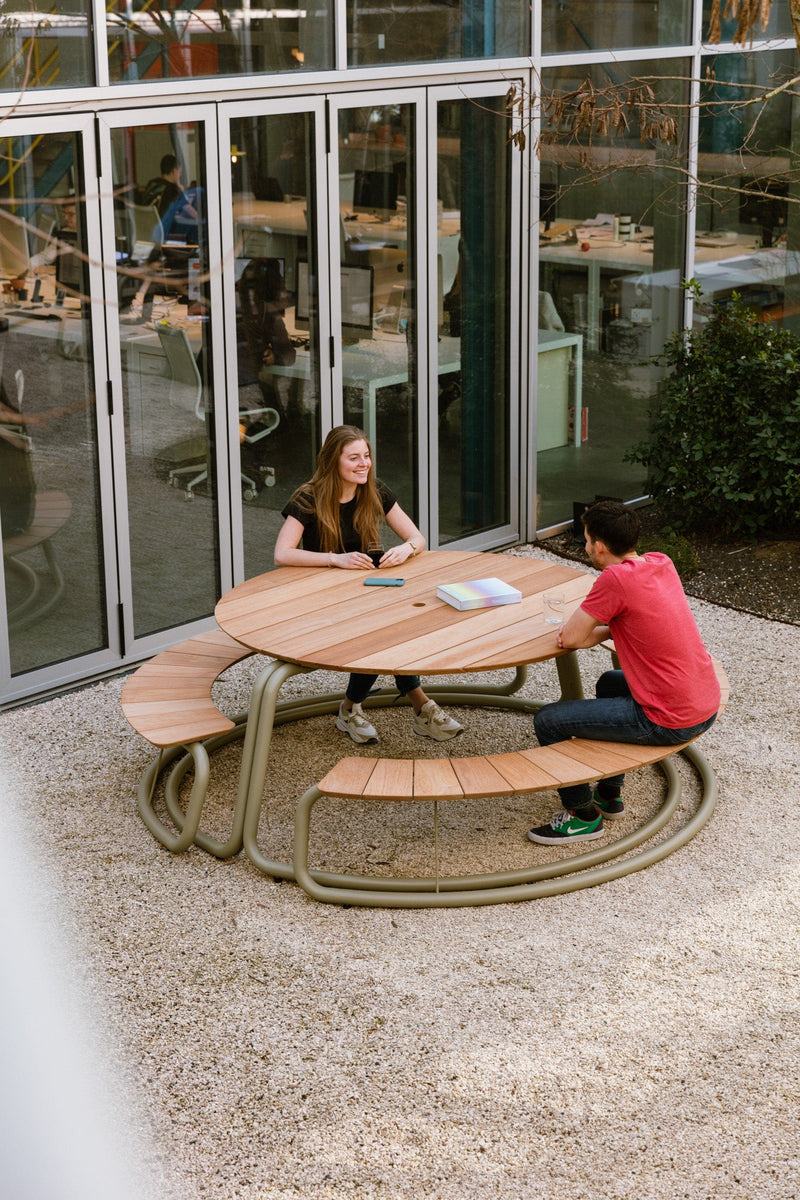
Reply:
x=397, y=556
x=354, y=561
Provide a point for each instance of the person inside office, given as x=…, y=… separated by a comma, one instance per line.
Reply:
x=330, y=521
x=68, y=224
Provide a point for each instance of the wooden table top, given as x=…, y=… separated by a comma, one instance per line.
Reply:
x=327, y=618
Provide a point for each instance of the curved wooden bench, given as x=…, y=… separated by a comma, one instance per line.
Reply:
x=522, y=772
x=168, y=701
x=51, y=512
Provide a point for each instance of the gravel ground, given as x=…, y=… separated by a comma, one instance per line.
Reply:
x=638, y=1039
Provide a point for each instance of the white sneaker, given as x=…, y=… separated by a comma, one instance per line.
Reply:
x=433, y=722
x=355, y=724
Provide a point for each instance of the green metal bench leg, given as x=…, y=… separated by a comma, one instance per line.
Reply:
x=551, y=879
x=184, y=838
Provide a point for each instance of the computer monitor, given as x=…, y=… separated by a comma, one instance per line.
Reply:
x=764, y=202
x=357, y=301
x=549, y=194
x=14, y=260
x=375, y=191
x=69, y=265
x=302, y=304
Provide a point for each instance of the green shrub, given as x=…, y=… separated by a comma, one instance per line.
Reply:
x=724, y=450
x=682, y=552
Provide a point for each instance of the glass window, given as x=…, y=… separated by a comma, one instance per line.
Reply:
x=779, y=24
x=585, y=25
x=473, y=256
x=748, y=217
x=277, y=337
x=394, y=31
x=149, y=40
x=49, y=493
x=44, y=45
x=164, y=318
x=611, y=237
x=378, y=326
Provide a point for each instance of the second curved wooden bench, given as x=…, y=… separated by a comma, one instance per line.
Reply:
x=168, y=701
x=522, y=772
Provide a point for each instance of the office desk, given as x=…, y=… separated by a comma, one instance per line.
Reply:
x=560, y=360
x=383, y=362
x=629, y=258
x=274, y=227
x=370, y=366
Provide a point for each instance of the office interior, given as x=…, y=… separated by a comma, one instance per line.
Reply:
x=351, y=235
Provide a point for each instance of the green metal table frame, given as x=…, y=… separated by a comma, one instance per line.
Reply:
x=266, y=711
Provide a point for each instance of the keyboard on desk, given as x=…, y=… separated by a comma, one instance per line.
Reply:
x=37, y=314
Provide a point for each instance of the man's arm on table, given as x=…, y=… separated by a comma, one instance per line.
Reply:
x=581, y=631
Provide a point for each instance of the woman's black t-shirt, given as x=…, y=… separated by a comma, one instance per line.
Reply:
x=350, y=539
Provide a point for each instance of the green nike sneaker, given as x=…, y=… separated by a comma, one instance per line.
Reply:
x=566, y=827
x=612, y=810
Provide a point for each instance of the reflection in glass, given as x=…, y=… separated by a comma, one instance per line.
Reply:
x=473, y=258
x=611, y=255
x=164, y=319
x=748, y=227
x=49, y=502
x=277, y=339
x=394, y=31
x=583, y=26
x=779, y=24
x=46, y=45
x=148, y=40
x=379, y=288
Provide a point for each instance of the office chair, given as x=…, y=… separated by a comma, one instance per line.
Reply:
x=148, y=230
x=185, y=392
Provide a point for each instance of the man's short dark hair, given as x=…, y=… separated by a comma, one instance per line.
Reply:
x=612, y=523
x=168, y=164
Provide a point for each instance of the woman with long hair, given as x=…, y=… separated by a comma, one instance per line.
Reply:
x=330, y=522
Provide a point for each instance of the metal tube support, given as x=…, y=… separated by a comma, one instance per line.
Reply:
x=548, y=880
x=569, y=676
x=176, y=842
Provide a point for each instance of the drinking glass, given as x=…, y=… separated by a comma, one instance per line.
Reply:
x=375, y=551
x=554, y=607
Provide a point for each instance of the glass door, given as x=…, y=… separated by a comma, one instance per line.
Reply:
x=277, y=316
x=58, y=584
x=161, y=214
x=376, y=251
x=474, y=288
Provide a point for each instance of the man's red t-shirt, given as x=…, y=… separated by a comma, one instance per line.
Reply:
x=666, y=666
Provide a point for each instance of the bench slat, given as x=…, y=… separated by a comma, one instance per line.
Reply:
x=168, y=699
x=348, y=778
x=478, y=777
x=436, y=775
x=523, y=772
x=605, y=758
x=392, y=779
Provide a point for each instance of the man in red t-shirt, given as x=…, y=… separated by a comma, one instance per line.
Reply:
x=667, y=690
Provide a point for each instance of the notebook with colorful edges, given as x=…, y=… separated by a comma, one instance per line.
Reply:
x=478, y=593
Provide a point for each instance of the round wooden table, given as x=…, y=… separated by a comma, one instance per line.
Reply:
x=326, y=619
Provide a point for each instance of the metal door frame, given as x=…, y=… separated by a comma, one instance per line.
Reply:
x=227, y=112
x=56, y=676
x=205, y=117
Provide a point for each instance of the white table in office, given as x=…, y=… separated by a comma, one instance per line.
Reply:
x=268, y=228
x=626, y=258
x=373, y=365
x=560, y=364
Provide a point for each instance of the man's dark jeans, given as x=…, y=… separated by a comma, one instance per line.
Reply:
x=613, y=717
